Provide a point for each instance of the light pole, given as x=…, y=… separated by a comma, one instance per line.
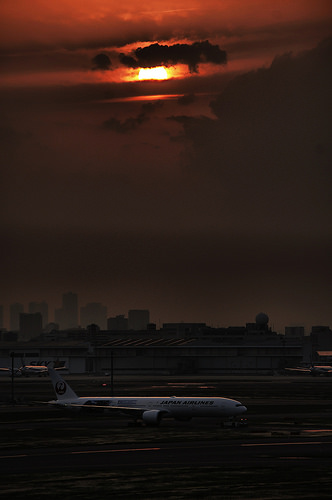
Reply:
x=112, y=391
x=12, y=355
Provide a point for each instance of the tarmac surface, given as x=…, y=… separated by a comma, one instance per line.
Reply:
x=289, y=436
x=234, y=453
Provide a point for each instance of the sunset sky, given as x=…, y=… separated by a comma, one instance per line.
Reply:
x=203, y=196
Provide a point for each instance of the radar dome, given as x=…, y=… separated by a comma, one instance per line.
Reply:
x=262, y=319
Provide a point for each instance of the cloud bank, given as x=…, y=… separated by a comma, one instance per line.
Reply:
x=166, y=55
x=132, y=123
x=266, y=156
x=101, y=61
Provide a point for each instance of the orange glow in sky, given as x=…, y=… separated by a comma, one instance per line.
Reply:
x=170, y=143
x=157, y=73
x=47, y=43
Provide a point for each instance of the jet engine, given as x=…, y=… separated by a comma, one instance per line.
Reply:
x=152, y=417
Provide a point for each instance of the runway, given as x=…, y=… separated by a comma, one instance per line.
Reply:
x=284, y=453
x=248, y=453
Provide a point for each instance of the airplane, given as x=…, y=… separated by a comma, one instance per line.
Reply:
x=148, y=409
x=27, y=370
x=40, y=370
x=8, y=371
x=313, y=370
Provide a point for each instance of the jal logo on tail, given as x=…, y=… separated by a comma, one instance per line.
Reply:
x=60, y=388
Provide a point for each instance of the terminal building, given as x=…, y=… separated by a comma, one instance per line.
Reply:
x=138, y=347
x=174, y=349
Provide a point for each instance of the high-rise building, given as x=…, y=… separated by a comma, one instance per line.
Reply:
x=138, y=319
x=67, y=316
x=117, y=323
x=15, y=310
x=94, y=313
x=39, y=307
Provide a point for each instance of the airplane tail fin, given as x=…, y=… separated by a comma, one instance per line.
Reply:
x=62, y=390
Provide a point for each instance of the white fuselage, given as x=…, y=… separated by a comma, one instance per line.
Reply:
x=173, y=406
x=150, y=409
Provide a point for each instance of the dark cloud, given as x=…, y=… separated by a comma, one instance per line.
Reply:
x=101, y=61
x=130, y=124
x=267, y=155
x=165, y=55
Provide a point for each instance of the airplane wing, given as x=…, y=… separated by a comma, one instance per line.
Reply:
x=305, y=370
x=9, y=371
x=128, y=410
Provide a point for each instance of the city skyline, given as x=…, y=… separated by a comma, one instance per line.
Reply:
x=204, y=196
x=85, y=314
x=71, y=314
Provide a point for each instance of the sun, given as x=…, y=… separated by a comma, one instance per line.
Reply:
x=157, y=73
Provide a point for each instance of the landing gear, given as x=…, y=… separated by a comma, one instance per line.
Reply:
x=232, y=422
